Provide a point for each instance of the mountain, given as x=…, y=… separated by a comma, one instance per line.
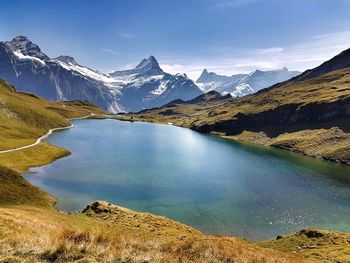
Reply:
x=147, y=66
x=23, y=64
x=340, y=61
x=208, y=77
x=243, y=84
x=209, y=81
x=148, y=86
x=307, y=114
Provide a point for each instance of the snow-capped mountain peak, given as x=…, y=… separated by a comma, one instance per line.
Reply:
x=243, y=84
x=145, y=86
x=147, y=67
x=24, y=46
x=150, y=61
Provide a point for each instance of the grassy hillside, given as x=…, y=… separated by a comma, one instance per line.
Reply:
x=25, y=117
x=32, y=230
x=283, y=116
x=316, y=244
x=14, y=189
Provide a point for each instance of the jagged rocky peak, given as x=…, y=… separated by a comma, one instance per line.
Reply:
x=67, y=60
x=26, y=47
x=257, y=72
x=207, y=77
x=149, y=65
x=204, y=76
x=151, y=60
x=204, y=73
x=179, y=75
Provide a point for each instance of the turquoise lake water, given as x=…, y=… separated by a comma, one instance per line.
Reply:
x=212, y=184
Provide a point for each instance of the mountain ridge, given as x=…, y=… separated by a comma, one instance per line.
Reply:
x=24, y=64
x=339, y=61
x=243, y=84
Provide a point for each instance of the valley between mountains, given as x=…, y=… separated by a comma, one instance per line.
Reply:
x=308, y=114
x=33, y=230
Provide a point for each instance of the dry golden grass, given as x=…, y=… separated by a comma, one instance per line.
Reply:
x=15, y=190
x=38, y=155
x=43, y=235
x=316, y=244
x=31, y=230
x=330, y=144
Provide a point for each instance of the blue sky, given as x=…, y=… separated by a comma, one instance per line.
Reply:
x=226, y=36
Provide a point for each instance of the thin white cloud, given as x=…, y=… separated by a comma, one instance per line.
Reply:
x=228, y=60
x=126, y=35
x=111, y=51
x=233, y=3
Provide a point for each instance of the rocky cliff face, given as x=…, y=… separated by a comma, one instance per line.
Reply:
x=24, y=65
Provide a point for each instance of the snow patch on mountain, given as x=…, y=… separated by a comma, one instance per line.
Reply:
x=20, y=56
x=115, y=107
x=241, y=90
x=90, y=73
x=62, y=78
x=161, y=88
x=242, y=84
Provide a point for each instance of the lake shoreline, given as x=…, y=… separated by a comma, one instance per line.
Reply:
x=261, y=149
x=286, y=245
x=251, y=140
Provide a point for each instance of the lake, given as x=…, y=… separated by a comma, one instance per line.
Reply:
x=215, y=185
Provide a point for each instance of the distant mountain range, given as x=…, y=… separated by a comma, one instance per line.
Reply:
x=309, y=113
x=23, y=64
x=242, y=84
